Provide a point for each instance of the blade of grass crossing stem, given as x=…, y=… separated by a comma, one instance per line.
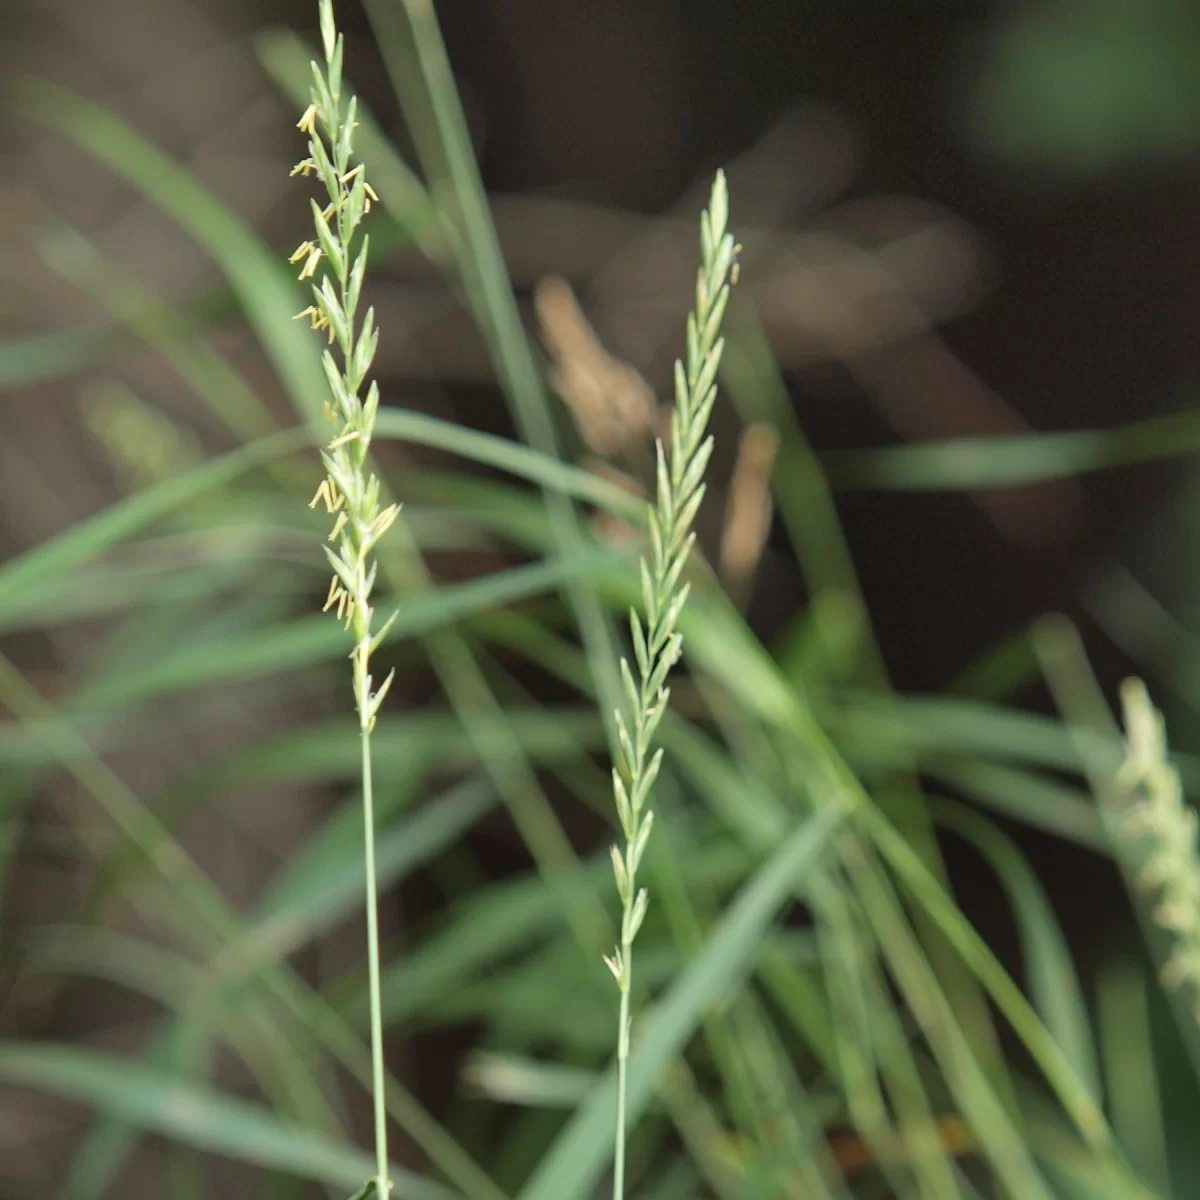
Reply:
x=88, y=538
x=1052, y=979
x=309, y=903
x=408, y=746
x=91, y=537
x=307, y=641
x=197, y=1116
x=575, y=1162
x=518, y=460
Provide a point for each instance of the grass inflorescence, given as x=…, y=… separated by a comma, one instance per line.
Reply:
x=657, y=644
x=350, y=490
x=1161, y=821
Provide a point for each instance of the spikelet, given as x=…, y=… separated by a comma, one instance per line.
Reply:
x=1159, y=819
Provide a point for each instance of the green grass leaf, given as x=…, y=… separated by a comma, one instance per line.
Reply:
x=199, y=1117
x=1052, y=980
x=269, y=296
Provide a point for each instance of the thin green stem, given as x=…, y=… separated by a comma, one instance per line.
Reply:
x=372, y=901
x=622, y=1071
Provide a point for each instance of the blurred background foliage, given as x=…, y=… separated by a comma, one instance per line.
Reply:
x=963, y=356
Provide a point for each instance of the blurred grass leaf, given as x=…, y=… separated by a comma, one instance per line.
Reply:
x=1053, y=983
x=206, y=1119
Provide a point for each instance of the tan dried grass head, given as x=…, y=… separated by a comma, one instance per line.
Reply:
x=612, y=404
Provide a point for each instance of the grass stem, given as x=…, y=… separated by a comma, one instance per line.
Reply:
x=378, y=1093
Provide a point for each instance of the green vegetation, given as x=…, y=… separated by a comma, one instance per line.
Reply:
x=814, y=1014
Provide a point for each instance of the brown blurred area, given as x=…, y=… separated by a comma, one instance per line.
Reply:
x=912, y=289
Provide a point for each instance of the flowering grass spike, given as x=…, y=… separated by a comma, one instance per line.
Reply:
x=656, y=644
x=1159, y=817
x=350, y=492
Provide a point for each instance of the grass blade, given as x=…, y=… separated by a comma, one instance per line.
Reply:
x=1052, y=979
x=199, y=1117
x=269, y=296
